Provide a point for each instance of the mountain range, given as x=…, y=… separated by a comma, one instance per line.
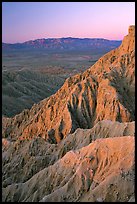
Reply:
x=78, y=144
x=62, y=44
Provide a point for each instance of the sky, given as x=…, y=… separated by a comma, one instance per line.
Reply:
x=23, y=21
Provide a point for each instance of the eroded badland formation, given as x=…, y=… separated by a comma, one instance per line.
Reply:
x=78, y=144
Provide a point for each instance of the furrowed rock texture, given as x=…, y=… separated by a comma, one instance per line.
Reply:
x=106, y=91
x=100, y=171
x=23, y=159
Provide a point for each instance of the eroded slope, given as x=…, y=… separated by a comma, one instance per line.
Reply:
x=104, y=91
x=23, y=159
x=81, y=175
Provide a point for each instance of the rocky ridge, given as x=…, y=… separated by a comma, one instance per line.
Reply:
x=106, y=91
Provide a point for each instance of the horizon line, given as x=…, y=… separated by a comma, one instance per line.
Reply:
x=61, y=38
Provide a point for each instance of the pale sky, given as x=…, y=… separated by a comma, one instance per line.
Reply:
x=23, y=21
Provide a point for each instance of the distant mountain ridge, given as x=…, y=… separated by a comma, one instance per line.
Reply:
x=67, y=43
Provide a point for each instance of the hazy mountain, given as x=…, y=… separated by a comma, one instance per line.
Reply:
x=65, y=44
